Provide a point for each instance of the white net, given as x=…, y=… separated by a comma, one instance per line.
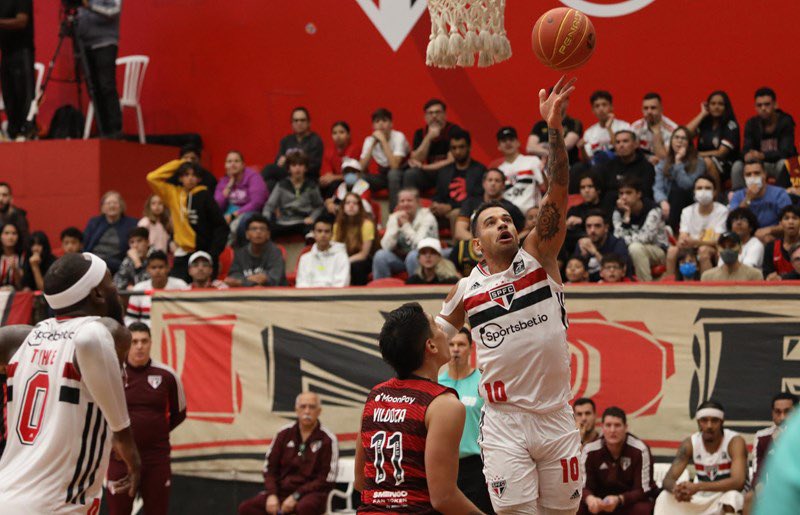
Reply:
x=462, y=28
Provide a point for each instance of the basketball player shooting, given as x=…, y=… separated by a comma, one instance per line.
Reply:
x=514, y=302
x=66, y=402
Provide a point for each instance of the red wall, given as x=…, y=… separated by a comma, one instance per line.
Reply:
x=232, y=70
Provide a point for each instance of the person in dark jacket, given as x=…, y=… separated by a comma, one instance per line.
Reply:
x=598, y=241
x=629, y=162
x=299, y=467
x=260, y=262
x=296, y=202
x=39, y=257
x=302, y=139
x=11, y=214
x=106, y=235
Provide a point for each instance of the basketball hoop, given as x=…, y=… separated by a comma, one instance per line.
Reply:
x=462, y=28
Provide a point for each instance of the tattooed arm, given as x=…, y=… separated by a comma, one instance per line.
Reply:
x=679, y=464
x=545, y=241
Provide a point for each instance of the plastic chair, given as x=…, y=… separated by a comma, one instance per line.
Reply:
x=135, y=68
x=345, y=473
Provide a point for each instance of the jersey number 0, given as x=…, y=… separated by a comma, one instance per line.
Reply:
x=34, y=398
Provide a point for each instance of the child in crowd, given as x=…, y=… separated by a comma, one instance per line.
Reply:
x=326, y=264
x=576, y=271
x=40, y=257
x=134, y=267
x=156, y=221
x=613, y=269
x=158, y=269
x=688, y=267
x=295, y=202
x=71, y=240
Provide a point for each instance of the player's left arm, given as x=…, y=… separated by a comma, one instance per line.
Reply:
x=545, y=241
x=738, y=452
x=11, y=337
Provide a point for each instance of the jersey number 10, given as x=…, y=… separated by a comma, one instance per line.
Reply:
x=495, y=392
x=395, y=444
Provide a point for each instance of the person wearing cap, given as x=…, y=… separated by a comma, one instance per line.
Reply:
x=728, y=247
x=525, y=182
x=326, y=265
x=201, y=270
x=719, y=457
x=432, y=268
x=351, y=183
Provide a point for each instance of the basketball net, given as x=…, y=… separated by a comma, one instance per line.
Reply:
x=462, y=28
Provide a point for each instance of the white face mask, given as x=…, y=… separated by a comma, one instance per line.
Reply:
x=750, y=181
x=704, y=197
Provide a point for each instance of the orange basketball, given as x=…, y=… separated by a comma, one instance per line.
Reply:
x=563, y=38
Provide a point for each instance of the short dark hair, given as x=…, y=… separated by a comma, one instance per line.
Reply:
x=381, y=113
x=341, y=123
x=139, y=327
x=432, y=102
x=747, y=214
x=297, y=158
x=325, y=219
x=791, y=208
x=627, y=131
x=601, y=94
x=495, y=170
x=256, y=218
x=468, y=333
x=190, y=147
x=7, y=185
x=614, y=411
x=473, y=225
x=593, y=176
x=597, y=212
x=303, y=109
x=402, y=338
x=632, y=182
x=184, y=168
x=766, y=92
x=652, y=95
x=139, y=232
x=157, y=255
x=784, y=396
x=584, y=400
x=72, y=232
x=755, y=161
x=613, y=257
x=461, y=134
x=705, y=177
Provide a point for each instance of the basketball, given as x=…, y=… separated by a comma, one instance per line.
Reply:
x=563, y=38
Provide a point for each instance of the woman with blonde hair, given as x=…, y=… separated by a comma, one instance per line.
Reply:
x=356, y=230
x=156, y=220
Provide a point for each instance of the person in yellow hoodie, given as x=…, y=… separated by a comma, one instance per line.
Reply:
x=197, y=221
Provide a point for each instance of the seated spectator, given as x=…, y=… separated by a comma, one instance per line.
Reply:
x=493, y=185
x=197, y=221
x=537, y=144
x=687, y=269
x=407, y=226
x=763, y=199
x=598, y=242
x=701, y=225
x=301, y=140
x=613, y=269
x=201, y=268
x=458, y=180
x=743, y=222
x=299, y=467
x=525, y=181
x=239, y=194
x=676, y=175
x=638, y=221
x=628, y=162
x=618, y=470
x=192, y=153
x=789, y=178
x=9, y=213
x=432, y=268
x=158, y=269
x=11, y=261
x=590, y=191
x=431, y=147
x=768, y=137
x=388, y=149
x=295, y=202
x=598, y=140
x=794, y=258
x=777, y=260
x=106, y=235
x=156, y=220
x=586, y=419
x=71, y=240
x=331, y=173
x=717, y=135
x=729, y=247
x=326, y=265
x=354, y=228
x=575, y=271
x=260, y=262
x=133, y=269
x=719, y=457
x=40, y=257
x=352, y=183
x=653, y=129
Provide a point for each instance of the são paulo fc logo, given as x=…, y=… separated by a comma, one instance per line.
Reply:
x=607, y=10
x=498, y=486
x=503, y=295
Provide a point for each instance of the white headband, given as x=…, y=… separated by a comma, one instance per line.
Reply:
x=80, y=290
x=710, y=413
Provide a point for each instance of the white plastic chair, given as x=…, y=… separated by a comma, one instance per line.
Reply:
x=345, y=473
x=135, y=68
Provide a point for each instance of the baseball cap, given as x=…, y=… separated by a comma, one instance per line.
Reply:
x=200, y=254
x=731, y=237
x=349, y=162
x=430, y=243
x=507, y=132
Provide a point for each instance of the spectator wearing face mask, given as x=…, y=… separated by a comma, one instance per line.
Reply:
x=729, y=245
x=687, y=266
x=763, y=199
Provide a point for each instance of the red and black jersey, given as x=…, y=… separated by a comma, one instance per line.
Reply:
x=393, y=434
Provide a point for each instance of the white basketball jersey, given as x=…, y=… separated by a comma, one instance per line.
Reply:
x=519, y=326
x=712, y=467
x=58, y=440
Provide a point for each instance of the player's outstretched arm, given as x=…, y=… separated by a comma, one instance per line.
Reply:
x=545, y=241
x=11, y=337
x=445, y=421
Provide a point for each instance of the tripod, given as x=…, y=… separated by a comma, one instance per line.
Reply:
x=68, y=29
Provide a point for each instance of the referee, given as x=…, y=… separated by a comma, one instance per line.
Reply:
x=465, y=379
x=157, y=405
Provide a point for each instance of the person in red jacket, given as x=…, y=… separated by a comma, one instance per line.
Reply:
x=300, y=465
x=157, y=405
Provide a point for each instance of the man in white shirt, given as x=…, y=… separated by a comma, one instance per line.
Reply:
x=326, y=265
x=653, y=122
x=389, y=149
x=598, y=140
x=407, y=225
x=524, y=178
x=140, y=302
